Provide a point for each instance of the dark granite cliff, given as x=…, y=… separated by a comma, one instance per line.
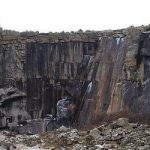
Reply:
x=101, y=72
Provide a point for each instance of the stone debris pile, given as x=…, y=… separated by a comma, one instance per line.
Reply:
x=12, y=141
x=118, y=135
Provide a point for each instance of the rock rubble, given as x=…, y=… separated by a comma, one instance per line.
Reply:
x=128, y=136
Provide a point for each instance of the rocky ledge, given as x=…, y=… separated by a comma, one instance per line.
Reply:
x=118, y=135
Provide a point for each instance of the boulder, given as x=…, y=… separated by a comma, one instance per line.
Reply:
x=121, y=122
x=62, y=129
x=95, y=133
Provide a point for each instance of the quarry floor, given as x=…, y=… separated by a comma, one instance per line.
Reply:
x=118, y=135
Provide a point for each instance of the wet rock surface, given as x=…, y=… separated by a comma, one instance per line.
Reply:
x=104, y=137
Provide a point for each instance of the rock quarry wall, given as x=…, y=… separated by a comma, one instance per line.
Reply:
x=106, y=71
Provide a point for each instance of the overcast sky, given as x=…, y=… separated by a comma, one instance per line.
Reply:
x=72, y=15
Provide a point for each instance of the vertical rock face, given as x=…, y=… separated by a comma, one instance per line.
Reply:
x=122, y=76
x=101, y=72
x=52, y=68
x=106, y=72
